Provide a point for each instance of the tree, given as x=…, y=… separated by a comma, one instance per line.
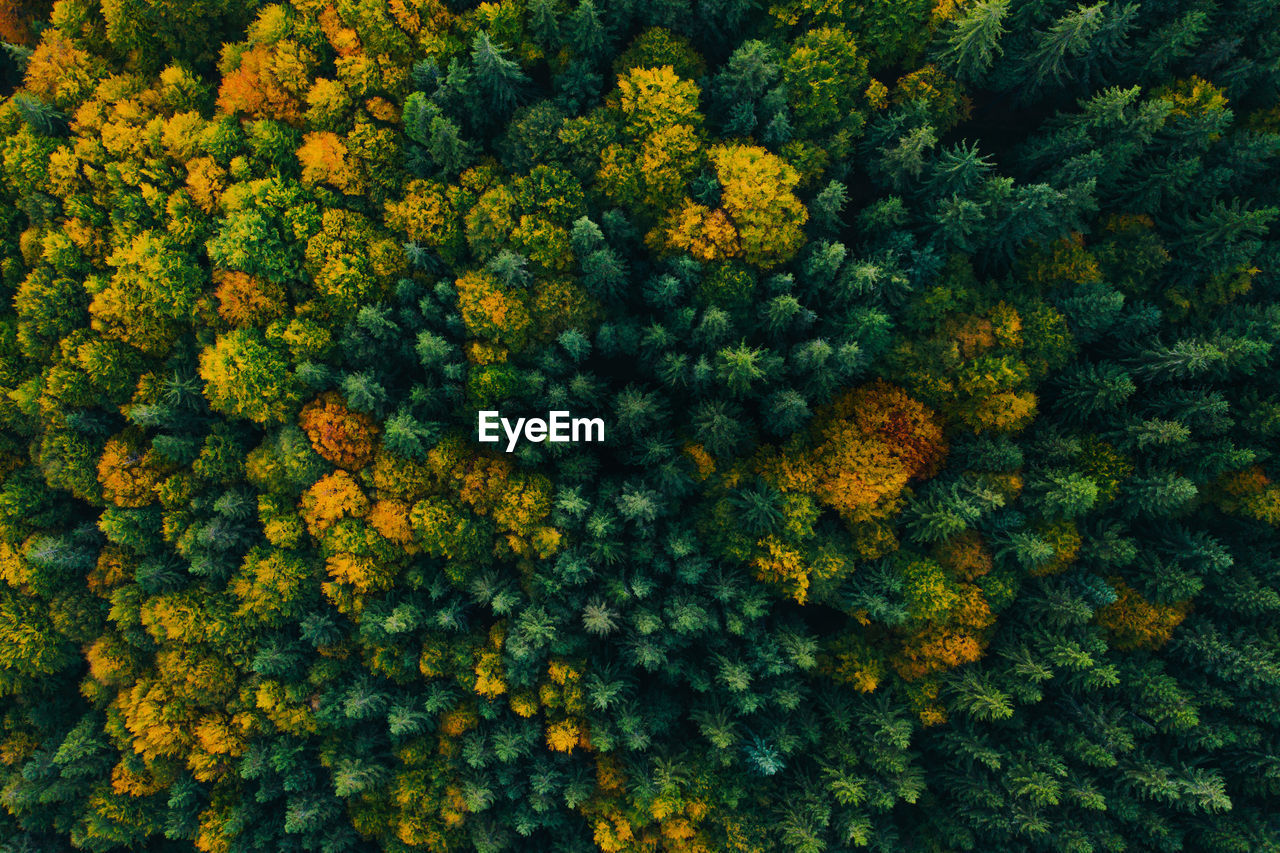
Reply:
x=973, y=40
x=446, y=153
x=343, y=437
x=499, y=79
x=152, y=294
x=757, y=196
x=246, y=376
x=660, y=121
x=39, y=116
x=824, y=78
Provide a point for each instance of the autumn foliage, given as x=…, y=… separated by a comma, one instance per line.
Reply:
x=936, y=348
x=343, y=437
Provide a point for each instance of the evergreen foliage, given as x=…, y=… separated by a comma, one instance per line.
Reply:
x=937, y=344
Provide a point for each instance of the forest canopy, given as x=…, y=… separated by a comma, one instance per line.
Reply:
x=936, y=347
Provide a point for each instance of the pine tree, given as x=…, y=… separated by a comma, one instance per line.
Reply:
x=973, y=41
x=499, y=79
